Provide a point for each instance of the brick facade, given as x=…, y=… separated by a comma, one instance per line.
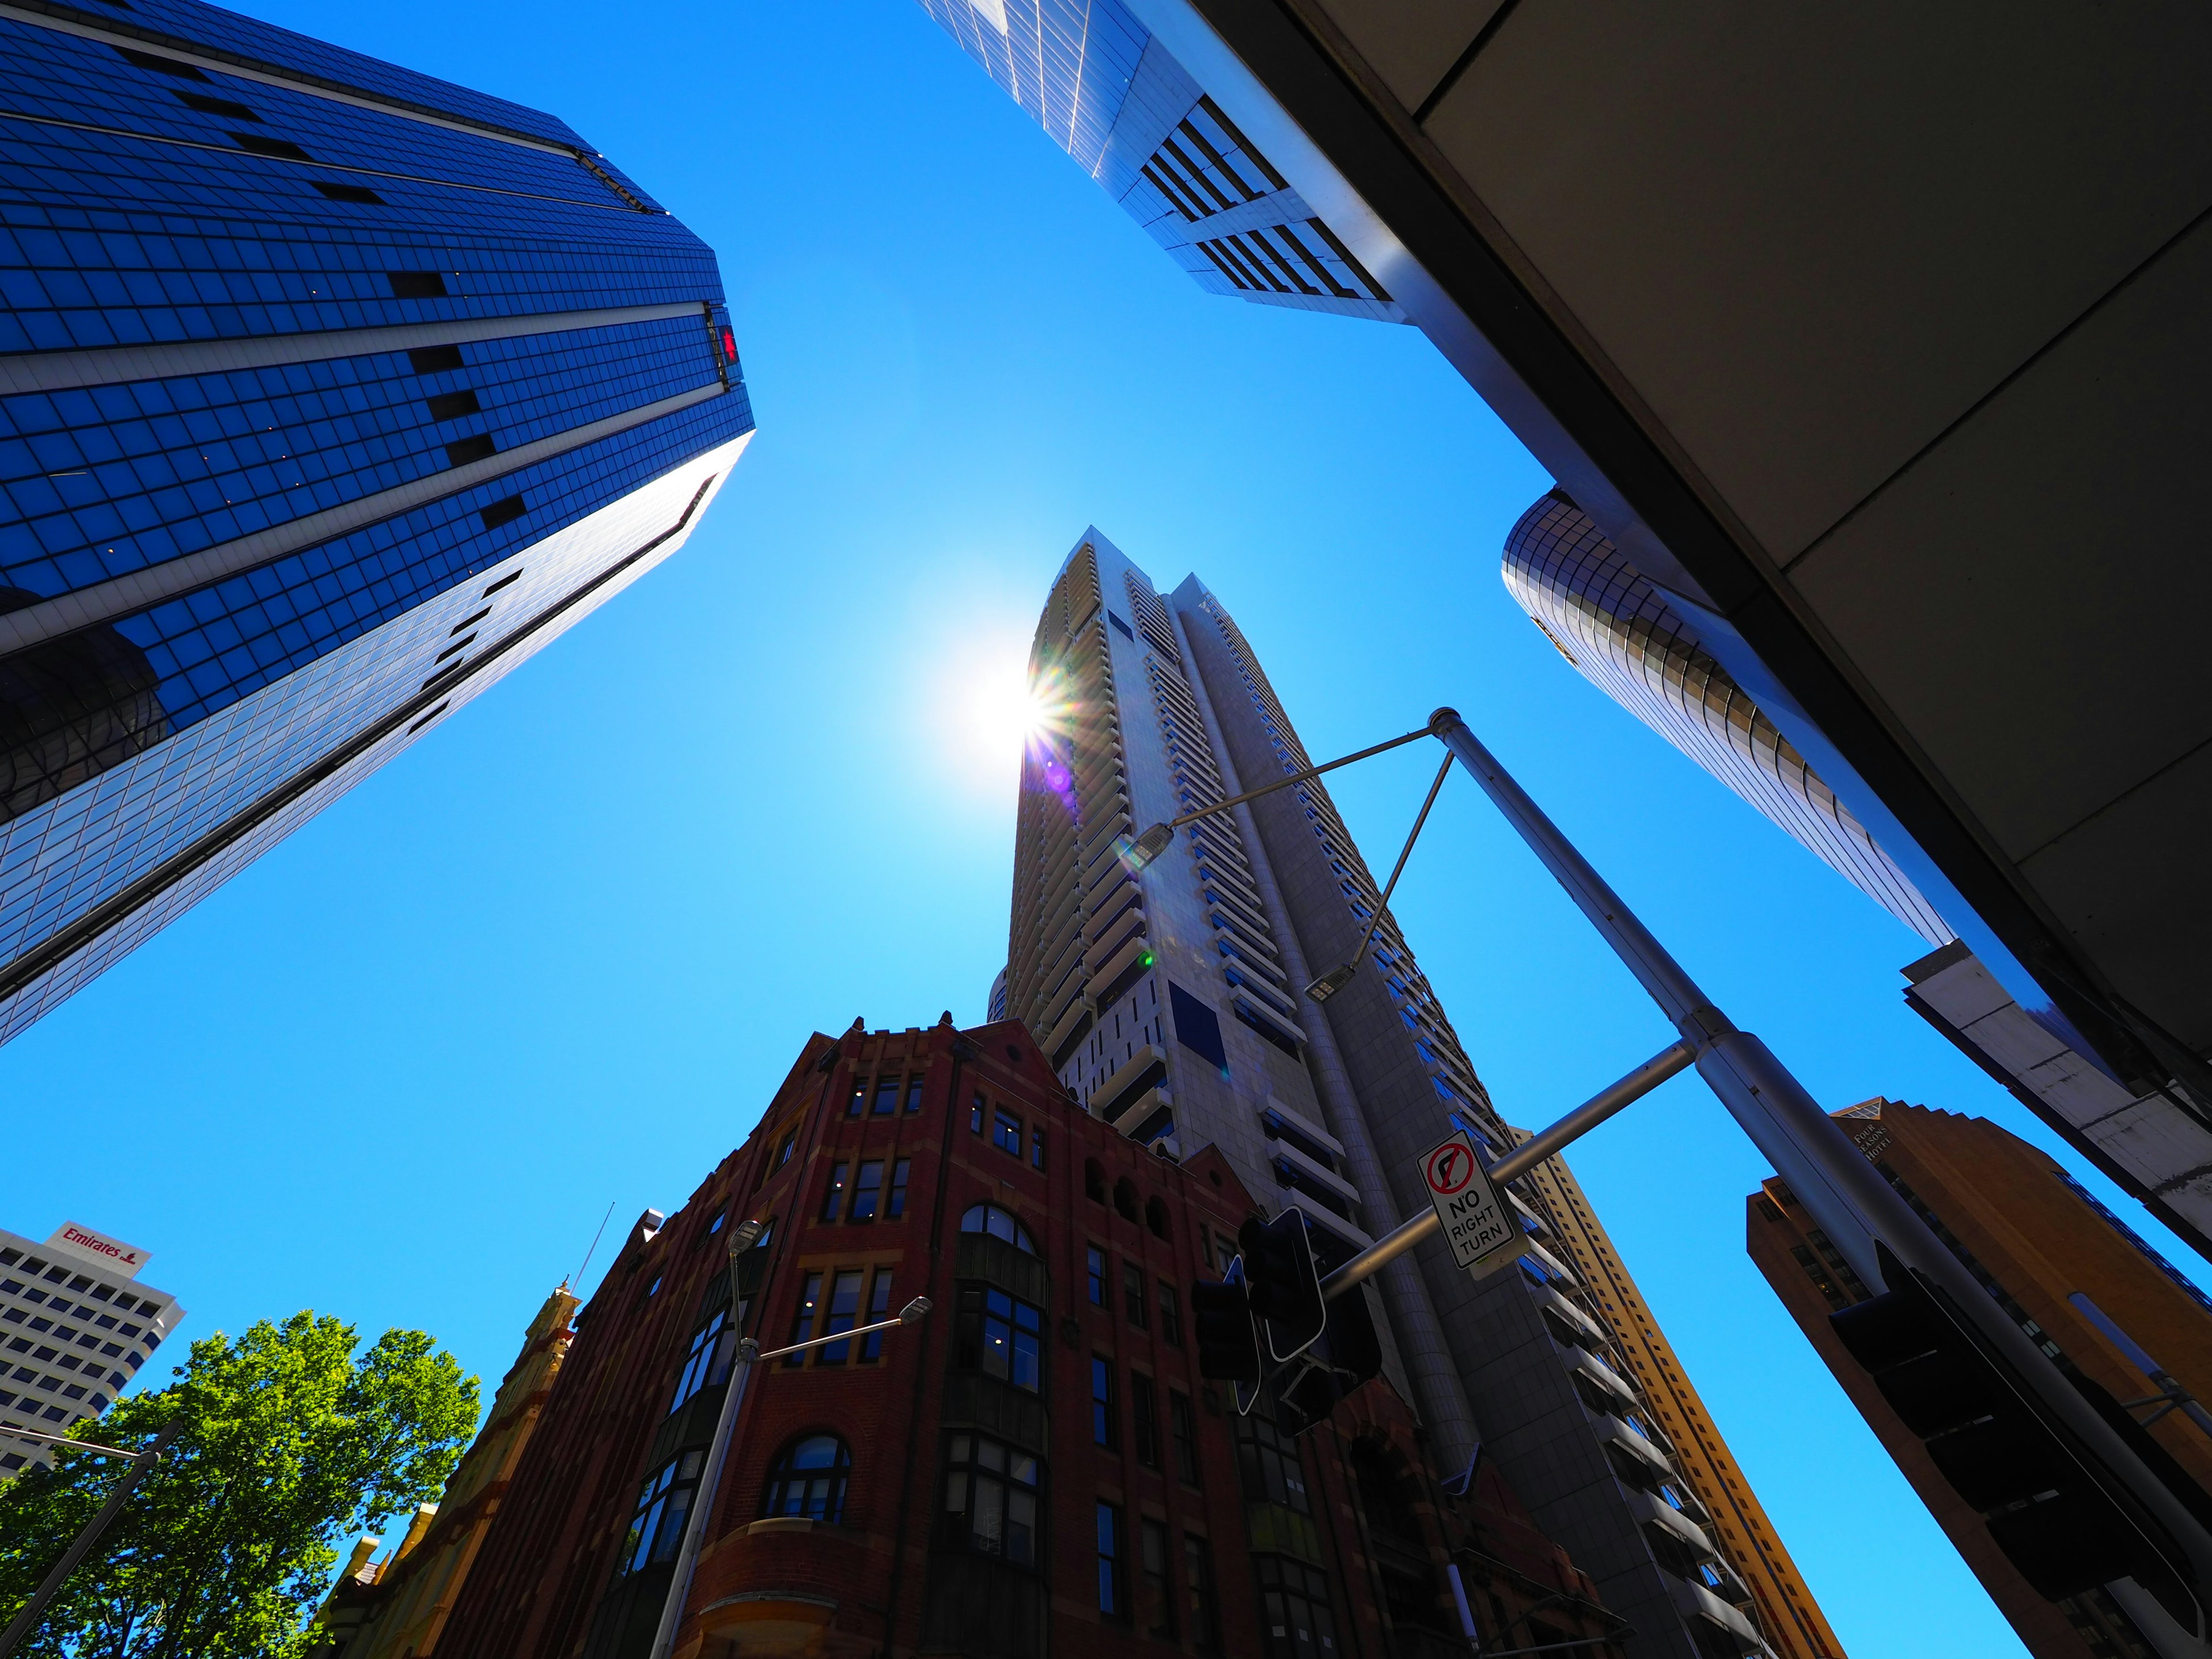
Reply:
x=1336, y=1546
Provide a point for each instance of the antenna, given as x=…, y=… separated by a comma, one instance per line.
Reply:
x=594, y=1250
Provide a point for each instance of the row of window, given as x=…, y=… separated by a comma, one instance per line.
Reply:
x=867, y=1194
x=1144, y=1420
x=881, y=1099
x=1133, y=1298
x=1167, y=1606
x=838, y=1309
x=1005, y=1129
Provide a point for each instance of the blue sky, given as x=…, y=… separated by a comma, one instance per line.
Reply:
x=559, y=954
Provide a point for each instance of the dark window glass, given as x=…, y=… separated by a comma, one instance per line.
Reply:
x=789, y=1141
x=1268, y=1461
x=1184, y=1426
x=1094, y=1181
x=1145, y=1419
x=1198, y=1588
x=975, y=1115
x=990, y=1218
x=1095, y=1261
x=844, y=1313
x=1037, y=1149
x=707, y=1361
x=802, y=1323
x=1159, y=1586
x=887, y=1093
x=1112, y=1601
x=992, y=1500
x=1171, y=1316
x=1103, y=1423
x=834, y=1200
x=1006, y=1132
x=859, y=1097
x=914, y=1094
x=656, y=1528
x=1009, y=1341
x=1132, y=1293
x=809, y=1480
x=867, y=1190
x=879, y=1307
x=896, y=1207
x=1295, y=1621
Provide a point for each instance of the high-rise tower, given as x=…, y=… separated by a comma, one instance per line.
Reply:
x=328, y=393
x=1169, y=1002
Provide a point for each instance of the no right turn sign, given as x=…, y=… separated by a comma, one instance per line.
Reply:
x=1478, y=1221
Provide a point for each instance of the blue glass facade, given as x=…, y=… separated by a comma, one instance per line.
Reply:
x=1107, y=93
x=329, y=392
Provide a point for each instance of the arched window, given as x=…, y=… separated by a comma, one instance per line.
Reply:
x=1094, y=1181
x=809, y=1480
x=1155, y=1217
x=990, y=1218
x=1125, y=1199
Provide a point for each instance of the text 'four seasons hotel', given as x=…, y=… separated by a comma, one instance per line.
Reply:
x=329, y=394
x=1168, y=999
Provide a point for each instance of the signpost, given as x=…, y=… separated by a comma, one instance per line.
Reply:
x=1477, y=1220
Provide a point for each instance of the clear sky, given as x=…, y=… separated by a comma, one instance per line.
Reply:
x=558, y=954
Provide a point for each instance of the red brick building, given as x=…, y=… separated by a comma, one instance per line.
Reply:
x=1036, y=1468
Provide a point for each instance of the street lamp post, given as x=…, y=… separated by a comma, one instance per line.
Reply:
x=34, y=1609
x=748, y=1355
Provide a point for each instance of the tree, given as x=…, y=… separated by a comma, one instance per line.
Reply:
x=290, y=1442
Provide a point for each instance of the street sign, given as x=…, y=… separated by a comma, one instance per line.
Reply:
x=1479, y=1223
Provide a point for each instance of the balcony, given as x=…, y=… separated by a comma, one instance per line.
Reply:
x=1695, y=1601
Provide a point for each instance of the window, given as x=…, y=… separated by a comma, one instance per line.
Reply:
x=990, y=1218
x=802, y=1323
x=887, y=1093
x=1125, y=1199
x=809, y=1480
x=1198, y=1585
x=1112, y=1601
x=657, y=1527
x=1268, y=1461
x=879, y=1307
x=1094, y=1181
x=1132, y=1293
x=1096, y=1258
x=1037, y=1149
x=867, y=1190
x=1002, y=1336
x=1171, y=1316
x=1006, y=1132
x=707, y=1360
x=896, y=1207
x=434, y=359
x=1159, y=1589
x=1184, y=1427
x=991, y=1499
x=1102, y=1415
x=975, y=1115
x=844, y=1313
x=859, y=1097
x=914, y=1094
x=789, y=1142
x=1145, y=1419
x=1295, y=1621
x=834, y=1199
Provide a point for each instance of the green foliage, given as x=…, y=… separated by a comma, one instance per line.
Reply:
x=290, y=1442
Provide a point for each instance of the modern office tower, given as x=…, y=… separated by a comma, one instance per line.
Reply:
x=1171, y=1002
x=74, y=1327
x=398, y=1607
x=1839, y=366
x=328, y=393
x=1035, y=1467
x=2132, y=1332
x=1726, y=1512
x=1621, y=633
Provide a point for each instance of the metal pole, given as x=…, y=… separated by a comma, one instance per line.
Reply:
x=1674, y=1057
x=710, y=1477
x=1842, y=1189
x=1294, y=777
x=34, y=1610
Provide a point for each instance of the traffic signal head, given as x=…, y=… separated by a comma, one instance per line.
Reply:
x=1284, y=1284
x=1227, y=1340
x=1347, y=1354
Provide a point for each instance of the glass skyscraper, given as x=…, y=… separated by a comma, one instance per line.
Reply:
x=1170, y=1000
x=328, y=393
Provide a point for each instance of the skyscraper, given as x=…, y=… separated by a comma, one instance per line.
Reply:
x=2129, y=1330
x=328, y=393
x=1170, y=1001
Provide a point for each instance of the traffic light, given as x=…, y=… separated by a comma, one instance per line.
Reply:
x=1347, y=1355
x=1284, y=1284
x=2044, y=1508
x=1228, y=1338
